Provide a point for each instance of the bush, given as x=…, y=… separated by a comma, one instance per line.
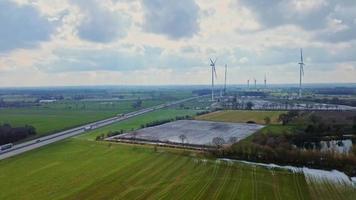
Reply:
x=202, y=113
x=267, y=120
x=110, y=133
x=100, y=137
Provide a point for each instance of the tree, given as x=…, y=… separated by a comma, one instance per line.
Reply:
x=137, y=104
x=182, y=138
x=267, y=120
x=181, y=106
x=335, y=100
x=218, y=141
x=233, y=140
x=283, y=118
x=134, y=135
x=10, y=134
x=354, y=124
x=314, y=118
x=249, y=105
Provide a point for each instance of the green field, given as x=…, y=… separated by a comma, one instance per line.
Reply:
x=242, y=116
x=81, y=168
x=53, y=117
x=136, y=122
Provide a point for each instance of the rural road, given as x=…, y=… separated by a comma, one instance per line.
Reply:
x=42, y=141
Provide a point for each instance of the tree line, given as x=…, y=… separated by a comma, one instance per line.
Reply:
x=9, y=134
x=294, y=148
x=164, y=121
x=296, y=157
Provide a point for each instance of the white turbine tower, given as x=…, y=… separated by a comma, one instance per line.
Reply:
x=301, y=72
x=248, y=83
x=213, y=75
x=255, y=83
x=225, y=79
x=265, y=81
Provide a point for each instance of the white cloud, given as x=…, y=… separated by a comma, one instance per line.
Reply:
x=307, y=6
x=175, y=19
x=243, y=60
x=95, y=44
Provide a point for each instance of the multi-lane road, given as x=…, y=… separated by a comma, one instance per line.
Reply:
x=42, y=141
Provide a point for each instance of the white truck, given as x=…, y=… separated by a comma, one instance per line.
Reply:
x=87, y=128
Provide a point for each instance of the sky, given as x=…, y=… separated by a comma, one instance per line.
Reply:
x=169, y=42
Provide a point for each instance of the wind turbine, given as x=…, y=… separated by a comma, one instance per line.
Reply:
x=301, y=72
x=248, y=83
x=265, y=81
x=225, y=79
x=213, y=75
x=255, y=82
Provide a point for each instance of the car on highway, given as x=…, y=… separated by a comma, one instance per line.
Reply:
x=6, y=146
x=88, y=128
x=120, y=115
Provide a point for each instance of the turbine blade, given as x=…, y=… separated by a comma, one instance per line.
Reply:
x=301, y=55
x=216, y=76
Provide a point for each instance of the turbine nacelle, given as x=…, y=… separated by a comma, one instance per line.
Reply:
x=212, y=64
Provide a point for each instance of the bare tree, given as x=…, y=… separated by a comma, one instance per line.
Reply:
x=134, y=135
x=183, y=138
x=218, y=141
x=232, y=140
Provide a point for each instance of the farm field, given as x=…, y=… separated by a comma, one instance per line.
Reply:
x=195, y=132
x=54, y=117
x=242, y=116
x=81, y=168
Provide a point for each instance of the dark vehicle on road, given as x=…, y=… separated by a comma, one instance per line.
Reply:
x=6, y=146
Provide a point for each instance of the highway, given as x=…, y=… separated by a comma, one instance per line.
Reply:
x=45, y=140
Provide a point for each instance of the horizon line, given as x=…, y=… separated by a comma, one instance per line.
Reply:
x=173, y=85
